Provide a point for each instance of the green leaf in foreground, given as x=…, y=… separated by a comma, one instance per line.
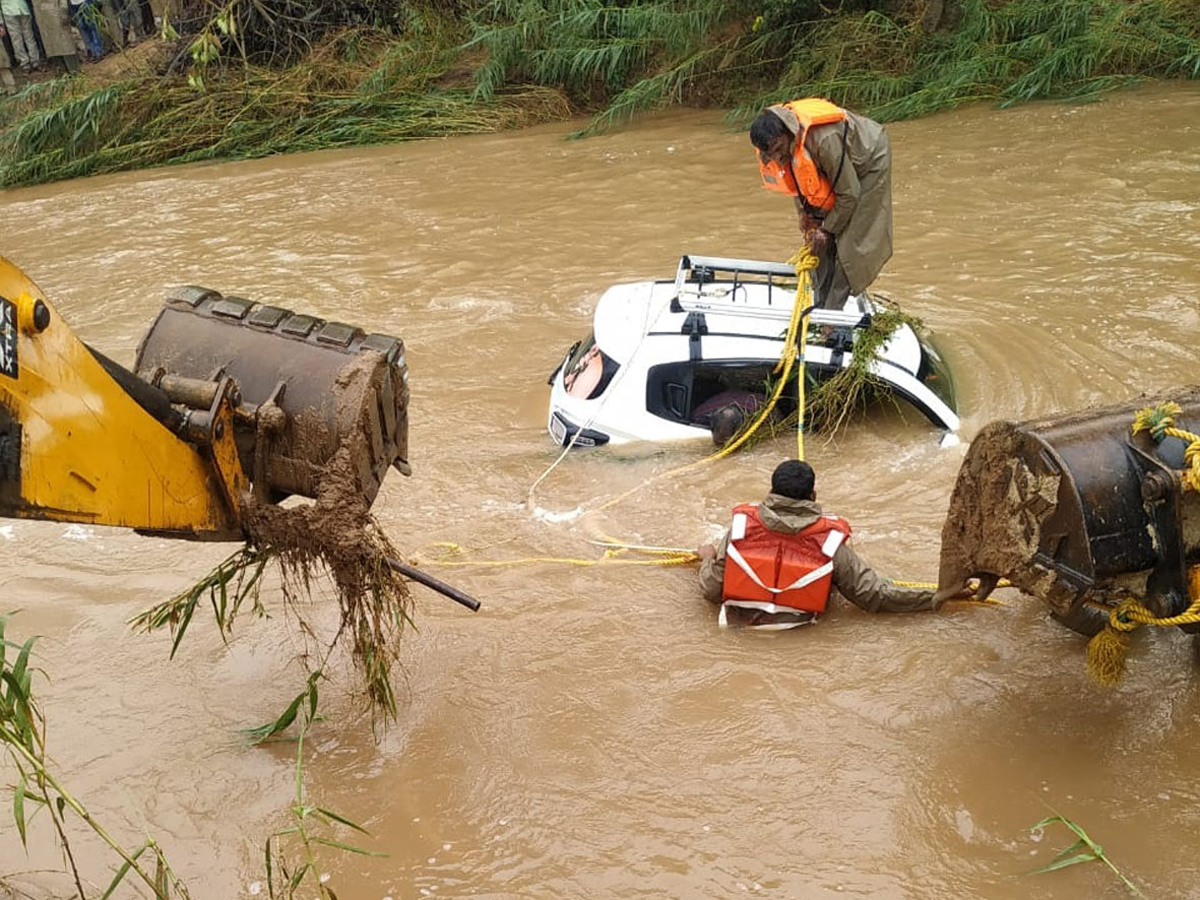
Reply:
x=1084, y=850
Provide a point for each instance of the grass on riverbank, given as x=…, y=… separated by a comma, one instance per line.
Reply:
x=358, y=88
x=1006, y=53
x=503, y=64
x=887, y=65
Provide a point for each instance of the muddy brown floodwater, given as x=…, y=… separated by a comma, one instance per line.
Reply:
x=591, y=733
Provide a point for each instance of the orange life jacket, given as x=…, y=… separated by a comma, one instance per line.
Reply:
x=776, y=572
x=802, y=178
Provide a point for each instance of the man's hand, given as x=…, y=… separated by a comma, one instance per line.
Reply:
x=969, y=592
x=818, y=241
x=708, y=551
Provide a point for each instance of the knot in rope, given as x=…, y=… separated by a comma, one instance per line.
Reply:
x=804, y=260
x=1156, y=420
x=1108, y=650
x=1159, y=421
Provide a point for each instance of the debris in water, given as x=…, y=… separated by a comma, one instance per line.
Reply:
x=336, y=535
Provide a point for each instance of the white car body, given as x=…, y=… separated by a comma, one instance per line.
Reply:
x=665, y=344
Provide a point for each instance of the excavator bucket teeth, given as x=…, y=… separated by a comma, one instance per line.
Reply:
x=1076, y=508
x=305, y=388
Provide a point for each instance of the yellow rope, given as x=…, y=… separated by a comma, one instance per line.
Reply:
x=1108, y=651
x=574, y=561
x=933, y=585
x=805, y=262
x=663, y=557
x=607, y=560
x=1159, y=422
x=797, y=334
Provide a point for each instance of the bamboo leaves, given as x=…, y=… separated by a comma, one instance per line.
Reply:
x=233, y=582
x=640, y=52
x=308, y=696
x=301, y=838
x=22, y=738
x=1084, y=850
x=358, y=88
x=1011, y=52
x=18, y=722
x=283, y=73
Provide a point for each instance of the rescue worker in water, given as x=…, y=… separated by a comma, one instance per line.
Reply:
x=780, y=560
x=838, y=167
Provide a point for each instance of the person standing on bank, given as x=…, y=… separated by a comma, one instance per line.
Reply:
x=838, y=166
x=18, y=21
x=778, y=563
x=85, y=14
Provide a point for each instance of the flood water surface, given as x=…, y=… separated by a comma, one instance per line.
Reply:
x=591, y=732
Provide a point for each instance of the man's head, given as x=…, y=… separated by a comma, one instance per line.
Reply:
x=794, y=478
x=771, y=137
x=726, y=422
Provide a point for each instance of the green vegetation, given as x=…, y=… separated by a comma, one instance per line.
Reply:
x=1008, y=52
x=355, y=88
x=372, y=598
x=38, y=788
x=1084, y=850
x=254, y=77
x=831, y=403
x=290, y=855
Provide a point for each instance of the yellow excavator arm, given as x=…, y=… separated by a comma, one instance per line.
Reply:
x=228, y=398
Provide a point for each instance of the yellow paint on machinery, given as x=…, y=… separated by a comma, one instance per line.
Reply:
x=74, y=446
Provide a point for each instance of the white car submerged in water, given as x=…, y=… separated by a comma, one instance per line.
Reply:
x=662, y=353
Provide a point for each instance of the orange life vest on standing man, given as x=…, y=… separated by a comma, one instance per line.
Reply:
x=802, y=178
x=776, y=572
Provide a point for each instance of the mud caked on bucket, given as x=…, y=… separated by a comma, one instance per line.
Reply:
x=303, y=388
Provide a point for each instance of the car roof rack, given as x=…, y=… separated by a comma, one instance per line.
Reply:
x=706, y=268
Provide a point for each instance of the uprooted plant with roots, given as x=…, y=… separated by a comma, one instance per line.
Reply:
x=335, y=536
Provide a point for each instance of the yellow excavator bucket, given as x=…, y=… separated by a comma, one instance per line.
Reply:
x=228, y=399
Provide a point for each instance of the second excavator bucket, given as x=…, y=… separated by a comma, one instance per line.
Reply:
x=1076, y=509
x=303, y=388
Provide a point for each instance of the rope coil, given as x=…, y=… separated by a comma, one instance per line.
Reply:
x=1108, y=651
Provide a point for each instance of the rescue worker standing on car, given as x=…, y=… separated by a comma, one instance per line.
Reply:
x=838, y=167
x=780, y=560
